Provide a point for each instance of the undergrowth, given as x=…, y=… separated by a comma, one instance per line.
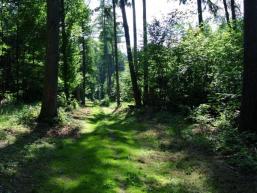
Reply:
x=220, y=128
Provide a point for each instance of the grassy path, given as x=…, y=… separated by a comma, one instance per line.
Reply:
x=118, y=152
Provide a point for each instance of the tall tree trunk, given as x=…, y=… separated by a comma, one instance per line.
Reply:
x=146, y=85
x=136, y=91
x=200, y=12
x=248, y=118
x=135, y=35
x=2, y=61
x=84, y=67
x=17, y=53
x=226, y=10
x=105, y=62
x=233, y=13
x=49, y=103
x=233, y=10
x=109, y=74
x=64, y=51
x=116, y=54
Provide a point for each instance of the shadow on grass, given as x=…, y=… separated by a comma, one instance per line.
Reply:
x=199, y=156
x=103, y=161
x=17, y=163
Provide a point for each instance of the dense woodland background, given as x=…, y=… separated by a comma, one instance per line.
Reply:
x=50, y=52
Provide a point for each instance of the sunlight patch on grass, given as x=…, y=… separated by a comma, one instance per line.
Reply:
x=120, y=153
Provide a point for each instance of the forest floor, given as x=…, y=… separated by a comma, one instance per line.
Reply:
x=108, y=150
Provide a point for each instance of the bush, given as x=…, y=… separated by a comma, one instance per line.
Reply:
x=61, y=100
x=202, y=115
x=105, y=102
x=28, y=114
x=73, y=104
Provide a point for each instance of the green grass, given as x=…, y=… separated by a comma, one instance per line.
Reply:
x=116, y=152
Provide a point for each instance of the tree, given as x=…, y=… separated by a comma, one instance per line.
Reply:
x=2, y=85
x=248, y=117
x=233, y=13
x=17, y=52
x=49, y=103
x=211, y=6
x=84, y=66
x=233, y=10
x=226, y=10
x=64, y=50
x=116, y=53
x=136, y=91
x=200, y=12
x=135, y=35
x=146, y=81
x=106, y=37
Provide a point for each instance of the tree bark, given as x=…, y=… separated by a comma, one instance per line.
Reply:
x=136, y=91
x=248, y=117
x=135, y=35
x=146, y=72
x=17, y=53
x=116, y=59
x=84, y=66
x=233, y=10
x=226, y=10
x=200, y=12
x=49, y=103
x=233, y=13
x=2, y=61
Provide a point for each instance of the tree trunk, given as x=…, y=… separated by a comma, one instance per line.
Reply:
x=2, y=61
x=116, y=54
x=226, y=10
x=233, y=13
x=146, y=84
x=136, y=91
x=248, y=117
x=200, y=12
x=49, y=104
x=135, y=36
x=84, y=66
x=109, y=75
x=17, y=53
x=233, y=10
x=105, y=62
x=64, y=51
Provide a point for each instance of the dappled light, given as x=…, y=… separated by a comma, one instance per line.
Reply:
x=128, y=96
x=119, y=153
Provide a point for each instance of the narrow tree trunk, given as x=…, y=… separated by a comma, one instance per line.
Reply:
x=49, y=104
x=23, y=77
x=233, y=10
x=17, y=53
x=146, y=85
x=64, y=51
x=233, y=13
x=200, y=12
x=2, y=26
x=248, y=118
x=135, y=36
x=116, y=54
x=136, y=91
x=109, y=75
x=84, y=66
x=105, y=63
x=2, y=62
x=226, y=11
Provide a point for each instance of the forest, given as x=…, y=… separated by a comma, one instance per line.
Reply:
x=128, y=96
